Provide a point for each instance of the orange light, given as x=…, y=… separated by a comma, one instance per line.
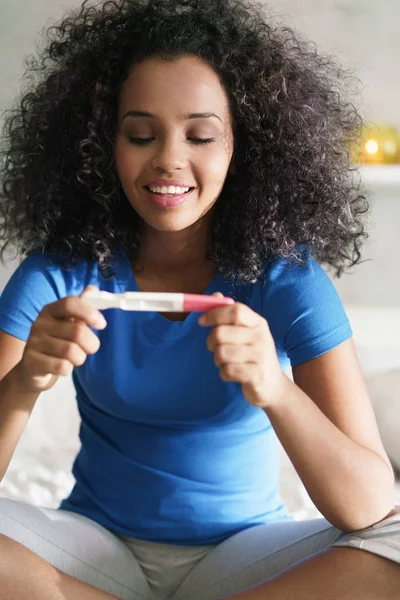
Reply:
x=378, y=144
x=372, y=147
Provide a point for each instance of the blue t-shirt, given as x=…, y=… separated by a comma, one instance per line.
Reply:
x=170, y=452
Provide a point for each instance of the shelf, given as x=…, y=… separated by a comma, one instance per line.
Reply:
x=381, y=175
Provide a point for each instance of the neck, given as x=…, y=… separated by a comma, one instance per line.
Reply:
x=174, y=251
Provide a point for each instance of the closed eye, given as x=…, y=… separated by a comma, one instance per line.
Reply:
x=202, y=140
x=144, y=141
x=139, y=141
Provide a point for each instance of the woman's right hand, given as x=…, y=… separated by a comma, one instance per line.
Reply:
x=59, y=340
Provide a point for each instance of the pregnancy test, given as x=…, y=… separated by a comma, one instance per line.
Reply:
x=155, y=301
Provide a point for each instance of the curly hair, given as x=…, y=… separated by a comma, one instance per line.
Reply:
x=294, y=188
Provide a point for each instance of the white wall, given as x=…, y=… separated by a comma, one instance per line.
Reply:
x=365, y=34
x=366, y=37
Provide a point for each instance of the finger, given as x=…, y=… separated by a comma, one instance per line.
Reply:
x=54, y=348
x=40, y=364
x=234, y=314
x=89, y=287
x=218, y=294
x=66, y=332
x=240, y=372
x=229, y=334
x=73, y=306
x=233, y=354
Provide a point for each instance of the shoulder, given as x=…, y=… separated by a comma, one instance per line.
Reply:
x=290, y=282
x=39, y=270
x=304, y=311
x=288, y=274
x=38, y=280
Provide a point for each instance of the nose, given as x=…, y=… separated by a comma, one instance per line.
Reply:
x=169, y=155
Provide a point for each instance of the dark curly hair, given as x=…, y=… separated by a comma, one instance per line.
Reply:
x=294, y=190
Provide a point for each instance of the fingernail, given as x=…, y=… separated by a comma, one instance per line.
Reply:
x=100, y=323
x=202, y=320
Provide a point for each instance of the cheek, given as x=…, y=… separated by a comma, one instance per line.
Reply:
x=216, y=168
x=125, y=162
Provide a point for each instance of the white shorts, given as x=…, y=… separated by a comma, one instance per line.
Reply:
x=134, y=569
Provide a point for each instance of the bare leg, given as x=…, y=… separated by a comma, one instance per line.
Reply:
x=334, y=574
x=23, y=574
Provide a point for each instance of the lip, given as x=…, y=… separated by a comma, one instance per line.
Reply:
x=167, y=182
x=171, y=201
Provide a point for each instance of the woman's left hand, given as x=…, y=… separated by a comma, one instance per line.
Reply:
x=244, y=351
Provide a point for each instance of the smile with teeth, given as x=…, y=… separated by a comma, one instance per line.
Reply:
x=171, y=190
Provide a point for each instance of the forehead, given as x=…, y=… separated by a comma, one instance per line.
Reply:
x=184, y=85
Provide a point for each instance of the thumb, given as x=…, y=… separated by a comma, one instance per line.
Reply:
x=89, y=288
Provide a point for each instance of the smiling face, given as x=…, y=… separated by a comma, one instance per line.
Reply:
x=164, y=103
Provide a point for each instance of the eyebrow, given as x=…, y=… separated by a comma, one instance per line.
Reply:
x=140, y=113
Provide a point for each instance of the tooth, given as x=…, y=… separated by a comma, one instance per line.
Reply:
x=169, y=190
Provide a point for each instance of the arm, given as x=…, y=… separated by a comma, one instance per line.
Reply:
x=59, y=339
x=15, y=406
x=323, y=419
x=35, y=283
x=326, y=424
x=15, y=409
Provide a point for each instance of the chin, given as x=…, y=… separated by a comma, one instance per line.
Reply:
x=172, y=219
x=170, y=222
x=171, y=225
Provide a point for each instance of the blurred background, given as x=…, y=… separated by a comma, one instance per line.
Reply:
x=365, y=36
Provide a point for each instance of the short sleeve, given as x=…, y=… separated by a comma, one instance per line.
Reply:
x=37, y=281
x=304, y=311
